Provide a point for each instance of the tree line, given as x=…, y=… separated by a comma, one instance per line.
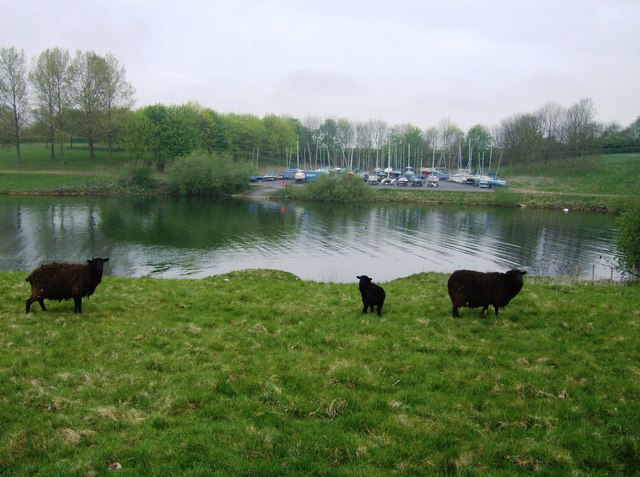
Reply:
x=58, y=97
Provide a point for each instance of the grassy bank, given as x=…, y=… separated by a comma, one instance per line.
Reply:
x=258, y=373
x=499, y=198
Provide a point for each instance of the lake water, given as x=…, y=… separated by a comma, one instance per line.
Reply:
x=193, y=238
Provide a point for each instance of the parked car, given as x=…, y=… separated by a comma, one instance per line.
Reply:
x=386, y=181
x=271, y=176
x=432, y=180
x=373, y=179
x=255, y=179
x=291, y=172
x=402, y=181
x=416, y=181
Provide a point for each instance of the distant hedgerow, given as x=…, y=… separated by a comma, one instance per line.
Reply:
x=203, y=174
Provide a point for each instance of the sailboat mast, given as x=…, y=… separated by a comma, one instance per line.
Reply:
x=433, y=155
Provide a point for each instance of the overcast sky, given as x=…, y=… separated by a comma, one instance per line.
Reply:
x=402, y=61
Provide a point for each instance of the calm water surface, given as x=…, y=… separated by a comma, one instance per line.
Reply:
x=192, y=238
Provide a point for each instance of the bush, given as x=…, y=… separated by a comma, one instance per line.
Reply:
x=628, y=238
x=337, y=187
x=201, y=174
x=138, y=174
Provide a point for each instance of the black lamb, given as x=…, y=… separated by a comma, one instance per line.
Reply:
x=474, y=289
x=372, y=294
x=62, y=281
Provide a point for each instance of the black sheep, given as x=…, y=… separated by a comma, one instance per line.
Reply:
x=473, y=289
x=62, y=281
x=372, y=294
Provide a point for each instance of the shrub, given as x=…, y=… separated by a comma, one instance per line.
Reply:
x=628, y=238
x=138, y=174
x=203, y=174
x=337, y=187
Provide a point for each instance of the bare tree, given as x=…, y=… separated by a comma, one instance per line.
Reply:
x=118, y=94
x=13, y=93
x=379, y=136
x=551, y=117
x=312, y=125
x=363, y=141
x=579, y=127
x=451, y=137
x=521, y=138
x=51, y=82
x=345, y=136
x=431, y=138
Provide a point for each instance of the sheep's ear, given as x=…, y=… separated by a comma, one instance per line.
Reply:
x=89, y=261
x=105, y=259
x=523, y=272
x=358, y=277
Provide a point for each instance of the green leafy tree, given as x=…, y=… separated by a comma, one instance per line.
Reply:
x=246, y=135
x=118, y=96
x=279, y=136
x=88, y=92
x=176, y=130
x=50, y=78
x=479, y=138
x=138, y=135
x=213, y=132
x=13, y=94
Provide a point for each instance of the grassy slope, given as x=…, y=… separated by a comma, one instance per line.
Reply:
x=611, y=174
x=257, y=373
x=37, y=172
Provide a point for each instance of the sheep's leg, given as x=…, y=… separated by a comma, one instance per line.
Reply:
x=77, y=301
x=28, y=308
x=484, y=310
x=496, y=308
x=41, y=301
x=379, y=307
x=364, y=310
x=455, y=312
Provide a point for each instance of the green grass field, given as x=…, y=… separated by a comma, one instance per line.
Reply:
x=37, y=157
x=617, y=174
x=258, y=373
